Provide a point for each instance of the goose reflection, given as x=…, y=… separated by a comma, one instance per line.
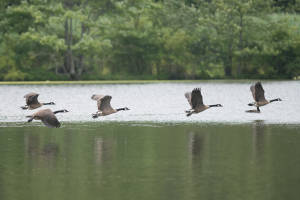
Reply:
x=39, y=152
x=196, y=143
x=98, y=150
x=258, y=138
x=50, y=150
x=32, y=143
x=102, y=149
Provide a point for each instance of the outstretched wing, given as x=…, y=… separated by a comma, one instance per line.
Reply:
x=96, y=96
x=196, y=98
x=48, y=118
x=31, y=98
x=258, y=92
x=104, y=104
x=51, y=121
x=188, y=96
x=252, y=89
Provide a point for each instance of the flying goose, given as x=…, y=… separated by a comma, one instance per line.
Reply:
x=32, y=101
x=47, y=117
x=104, y=107
x=258, y=94
x=195, y=100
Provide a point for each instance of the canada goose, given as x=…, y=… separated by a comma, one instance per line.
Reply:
x=47, y=117
x=258, y=94
x=104, y=107
x=195, y=100
x=32, y=101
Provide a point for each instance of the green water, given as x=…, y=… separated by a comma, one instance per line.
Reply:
x=137, y=161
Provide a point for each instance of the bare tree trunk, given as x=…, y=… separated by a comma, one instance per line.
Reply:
x=157, y=70
x=66, y=64
x=80, y=66
x=69, y=66
x=228, y=63
x=193, y=76
x=70, y=53
x=241, y=45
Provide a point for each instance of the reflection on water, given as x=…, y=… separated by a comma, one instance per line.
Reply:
x=171, y=161
x=259, y=140
x=196, y=145
x=40, y=153
x=102, y=149
x=98, y=150
x=32, y=145
x=50, y=151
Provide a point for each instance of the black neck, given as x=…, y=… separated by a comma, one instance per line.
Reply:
x=58, y=111
x=274, y=100
x=50, y=103
x=214, y=105
x=118, y=109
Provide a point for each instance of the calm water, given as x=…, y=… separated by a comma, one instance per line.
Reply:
x=152, y=151
x=150, y=161
x=158, y=102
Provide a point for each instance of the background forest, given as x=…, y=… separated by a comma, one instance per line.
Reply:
x=149, y=39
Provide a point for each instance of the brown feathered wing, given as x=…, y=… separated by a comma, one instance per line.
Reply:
x=96, y=97
x=188, y=96
x=104, y=104
x=196, y=98
x=48, y=118
x=31, y=98
x=258, y=92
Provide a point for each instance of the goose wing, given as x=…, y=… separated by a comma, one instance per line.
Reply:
x=51, y=121
x=31, y=98
x=96, y=96
x=258, y=92
x=43, y=113
x=47, y=117
x=188, y=96
x=196, y=98
x=252, y=89
x=104, y=104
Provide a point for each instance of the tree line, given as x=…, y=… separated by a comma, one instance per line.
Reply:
x=149, y=39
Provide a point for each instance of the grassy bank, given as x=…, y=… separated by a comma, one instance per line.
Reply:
x=125, y=81
x=89, y=82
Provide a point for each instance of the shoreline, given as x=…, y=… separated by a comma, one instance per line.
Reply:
x=130, y=81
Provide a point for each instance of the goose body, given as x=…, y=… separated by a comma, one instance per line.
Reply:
x=32, y=101
x=258, y=94
x=47, y=117
x=196, y=102
x=104, y=107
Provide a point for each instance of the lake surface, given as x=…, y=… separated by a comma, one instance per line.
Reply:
x=164, y=102
x=150, y=161
x=152, y=151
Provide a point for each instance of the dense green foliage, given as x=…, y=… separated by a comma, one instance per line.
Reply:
x=149, y=39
